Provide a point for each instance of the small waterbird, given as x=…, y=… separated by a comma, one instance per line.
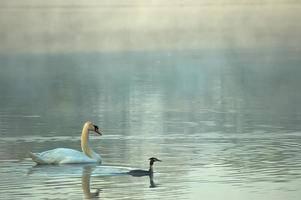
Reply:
x=149, y=172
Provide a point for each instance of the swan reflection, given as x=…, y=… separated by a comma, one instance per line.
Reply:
x=68, y=177
x=86, y=178
x=60, y=173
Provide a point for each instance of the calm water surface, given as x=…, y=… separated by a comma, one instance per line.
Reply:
x=226, y=124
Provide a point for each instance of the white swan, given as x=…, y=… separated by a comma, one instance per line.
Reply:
x=68, y=156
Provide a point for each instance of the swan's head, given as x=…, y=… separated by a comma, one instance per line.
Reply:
x=93, y=127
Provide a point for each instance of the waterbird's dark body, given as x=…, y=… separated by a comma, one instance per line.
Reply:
x=140, y=172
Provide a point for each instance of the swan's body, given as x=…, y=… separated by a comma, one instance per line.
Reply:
x=68, y=156
x=62, y=156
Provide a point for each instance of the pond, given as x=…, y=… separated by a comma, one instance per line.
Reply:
x=226, y=124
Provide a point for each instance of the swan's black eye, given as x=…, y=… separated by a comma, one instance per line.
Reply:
x=96, y=127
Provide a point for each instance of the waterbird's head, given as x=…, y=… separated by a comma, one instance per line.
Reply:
x=93, y=127
x=153, y=159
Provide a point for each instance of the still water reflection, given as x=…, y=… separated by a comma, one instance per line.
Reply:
x=86, y=184
x=226, y=124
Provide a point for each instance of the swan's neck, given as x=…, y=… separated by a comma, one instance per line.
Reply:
x=85, y=142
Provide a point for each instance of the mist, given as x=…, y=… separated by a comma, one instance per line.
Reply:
x=52, y=27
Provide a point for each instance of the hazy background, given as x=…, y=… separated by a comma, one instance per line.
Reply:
x=55, y=26
x=211, y=88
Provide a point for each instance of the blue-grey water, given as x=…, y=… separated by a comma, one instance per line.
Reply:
x=226, y=123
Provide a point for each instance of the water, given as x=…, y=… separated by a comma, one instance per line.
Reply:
x=225, y=123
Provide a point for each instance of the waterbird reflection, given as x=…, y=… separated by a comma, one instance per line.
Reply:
x=152, y=183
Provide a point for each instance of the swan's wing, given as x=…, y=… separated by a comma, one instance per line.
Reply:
x=61, y=156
